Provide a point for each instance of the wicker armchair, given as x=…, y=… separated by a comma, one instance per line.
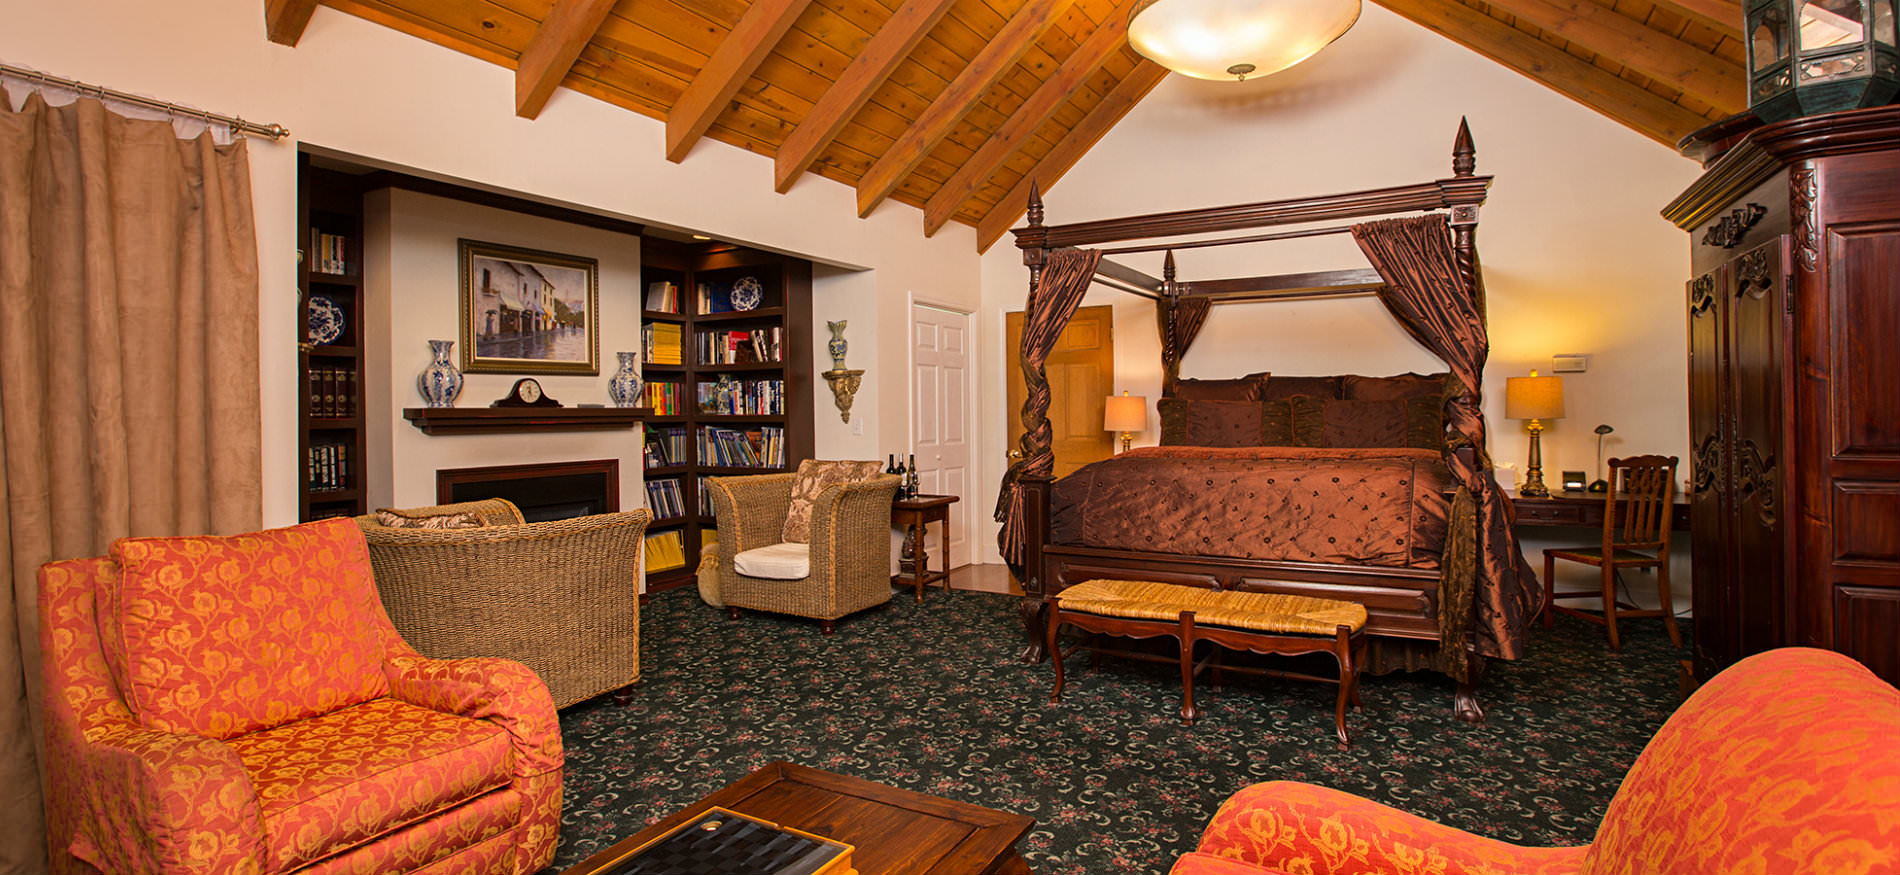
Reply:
x=562, y=597
x=850, y=545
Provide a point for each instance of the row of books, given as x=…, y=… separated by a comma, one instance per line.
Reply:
x=734, y=448
x=661, y=344
x=332, y=391
x=665, y=550
x=664, y=398
x=742, y=397
x=666, y=447
x=663, y=297
x=739, y=347
x=329, y=467
x=664, y=499
x=327, y=253
x=705, y=498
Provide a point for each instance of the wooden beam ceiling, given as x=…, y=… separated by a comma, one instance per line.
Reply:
x=999, y=57
x=764, y=23
x=956, y=107
x=890, y=46
x=549, y=57
x=1647, y=113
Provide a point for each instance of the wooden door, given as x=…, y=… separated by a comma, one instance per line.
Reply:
x=1756, y=334
x=1081, y=376
x=1711, y=581
x=940, y=421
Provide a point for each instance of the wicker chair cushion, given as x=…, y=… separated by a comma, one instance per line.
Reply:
x=396, y=519
x=787, y=561
x=1258, y=611
x=812, y=478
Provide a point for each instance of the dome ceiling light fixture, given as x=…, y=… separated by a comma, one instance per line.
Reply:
x=1234, y=39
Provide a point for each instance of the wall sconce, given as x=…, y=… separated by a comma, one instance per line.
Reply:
x=844, y=383
x=1126, y=414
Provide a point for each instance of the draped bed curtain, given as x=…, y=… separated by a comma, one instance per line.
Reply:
x=1052, y=302
x=1180, y=320
x=1428, y=293
x=128, y=371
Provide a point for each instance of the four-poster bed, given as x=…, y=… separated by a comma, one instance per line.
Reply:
x=1421, y=537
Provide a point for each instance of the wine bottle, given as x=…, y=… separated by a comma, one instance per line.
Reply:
x=903, y=476
x=910, y=480
x=891, y=466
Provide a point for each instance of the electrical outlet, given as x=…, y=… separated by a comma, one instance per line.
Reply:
x=857, y=426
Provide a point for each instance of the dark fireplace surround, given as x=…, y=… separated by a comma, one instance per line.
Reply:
x=548, y=491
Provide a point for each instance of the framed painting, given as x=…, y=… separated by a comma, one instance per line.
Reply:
x=525, y=311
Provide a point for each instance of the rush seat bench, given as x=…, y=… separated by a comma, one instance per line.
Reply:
x=1244, y=621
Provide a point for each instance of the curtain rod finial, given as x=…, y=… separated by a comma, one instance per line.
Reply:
x=1464, y=156
x=1035, y=204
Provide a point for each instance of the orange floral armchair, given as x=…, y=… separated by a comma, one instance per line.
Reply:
x=242, y=705
x=1788, y=762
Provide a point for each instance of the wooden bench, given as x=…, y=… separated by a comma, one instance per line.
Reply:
x=1249, y=621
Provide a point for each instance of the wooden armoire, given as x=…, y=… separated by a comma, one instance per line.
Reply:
x=1794, y=387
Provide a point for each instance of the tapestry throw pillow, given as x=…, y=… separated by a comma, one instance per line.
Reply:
x=1362, y=423
x=812, y=478
x=222, y=636
x=1403, y=387
x=1425, y=423
x=1209, y=423
x=396, y=519
x=1286, y=388
x=1245, y=388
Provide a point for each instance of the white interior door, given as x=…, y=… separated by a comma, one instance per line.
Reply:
x=940, y=421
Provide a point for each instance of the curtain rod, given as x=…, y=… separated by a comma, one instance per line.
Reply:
x=237, y=125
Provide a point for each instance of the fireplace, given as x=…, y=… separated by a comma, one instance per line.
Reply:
x=551, y=491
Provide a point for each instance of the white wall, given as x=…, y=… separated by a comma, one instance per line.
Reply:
x=412, y=297
x=1576, y=257
x=367, y=91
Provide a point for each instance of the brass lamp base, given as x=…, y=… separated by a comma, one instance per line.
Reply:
x=1534, y=473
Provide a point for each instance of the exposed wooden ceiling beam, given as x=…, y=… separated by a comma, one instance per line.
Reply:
x=1109, y=36
x=888, y=48
x=1619, y=99
x=557, y=42
x=765, y=23
x=999, y=56
x=284, y=20
x=1072, y=147
x=1724, y=15
x=1674, y=63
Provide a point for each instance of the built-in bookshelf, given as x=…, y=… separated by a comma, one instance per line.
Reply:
x=330, y=350
x=728, y=375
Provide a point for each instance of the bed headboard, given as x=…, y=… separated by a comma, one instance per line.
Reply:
x=1403, y=410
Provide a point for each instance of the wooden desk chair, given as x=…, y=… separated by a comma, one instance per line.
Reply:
x=1638, y=537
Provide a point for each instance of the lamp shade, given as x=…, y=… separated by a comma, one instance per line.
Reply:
x=1125, y=413
x=1234, y=39
x=1534, y=397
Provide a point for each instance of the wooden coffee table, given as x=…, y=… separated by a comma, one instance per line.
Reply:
x=895, y=832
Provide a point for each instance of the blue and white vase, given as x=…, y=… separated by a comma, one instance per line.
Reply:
x=837, y=346
x=624, y=388
x=440, y=382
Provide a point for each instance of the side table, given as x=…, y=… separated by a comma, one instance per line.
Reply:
x=915, y=515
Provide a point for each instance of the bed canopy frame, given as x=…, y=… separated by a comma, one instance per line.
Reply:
x=1489, y=601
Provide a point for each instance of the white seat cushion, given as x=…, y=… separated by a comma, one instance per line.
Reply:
x=785, y=561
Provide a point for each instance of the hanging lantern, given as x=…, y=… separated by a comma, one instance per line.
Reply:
x=1234, y=39
x=1813, y=56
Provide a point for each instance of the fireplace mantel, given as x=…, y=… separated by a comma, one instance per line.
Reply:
x=492, y=420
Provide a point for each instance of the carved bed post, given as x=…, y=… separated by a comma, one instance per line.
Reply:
x=1464, y=218
x=1165, y=309
x=1037, y=438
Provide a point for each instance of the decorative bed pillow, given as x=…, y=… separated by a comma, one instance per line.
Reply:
x=1362, y=424
x=812, y=478
x=1402, y=387
x=1276, y=424
x=1308, y=423
x=1285, y=388
x=396, y=519
x=222, y=636
x=1245, y=388
x=1209, y=423
x=1425, y=423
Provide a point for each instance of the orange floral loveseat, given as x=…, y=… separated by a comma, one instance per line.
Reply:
x=242, y=705
x=1788, y=762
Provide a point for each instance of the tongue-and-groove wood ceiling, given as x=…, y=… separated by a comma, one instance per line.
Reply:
x=955, y=106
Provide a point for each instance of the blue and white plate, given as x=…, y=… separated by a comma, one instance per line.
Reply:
x=325, y=319
x=747, y=293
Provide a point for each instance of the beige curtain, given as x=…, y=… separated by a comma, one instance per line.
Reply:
x=128, y=371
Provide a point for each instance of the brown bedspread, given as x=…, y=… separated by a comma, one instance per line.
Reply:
x=1384, y=507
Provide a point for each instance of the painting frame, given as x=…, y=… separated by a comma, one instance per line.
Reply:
x=501, y=311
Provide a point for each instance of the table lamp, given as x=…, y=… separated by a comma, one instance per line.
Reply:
x=1534, y=398
x=1127, y=414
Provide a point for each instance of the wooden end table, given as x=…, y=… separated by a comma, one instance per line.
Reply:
x=894, y=831
x=915, y=515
